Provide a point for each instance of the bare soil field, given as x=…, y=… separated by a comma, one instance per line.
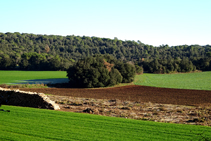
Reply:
x=136, y=102
x=135, y=93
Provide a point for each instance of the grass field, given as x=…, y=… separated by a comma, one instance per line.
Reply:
x=17, y=76
x=38, y=124
x=199, y=81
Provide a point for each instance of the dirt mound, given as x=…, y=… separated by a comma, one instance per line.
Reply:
x=135, y=93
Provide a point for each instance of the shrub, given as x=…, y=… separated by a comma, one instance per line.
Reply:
x=100, y=71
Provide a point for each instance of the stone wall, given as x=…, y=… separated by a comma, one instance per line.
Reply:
x=26, y=99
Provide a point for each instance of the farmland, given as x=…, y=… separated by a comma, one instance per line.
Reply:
x=198, y=81
x=38, y=124
x=135, y=93
x=18, y=76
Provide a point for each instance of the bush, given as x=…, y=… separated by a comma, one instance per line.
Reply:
x=139, y=70
x=100, y=71
x=127, y=71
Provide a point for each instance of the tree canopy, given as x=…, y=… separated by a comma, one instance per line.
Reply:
x=100, y=71
x=54, y=52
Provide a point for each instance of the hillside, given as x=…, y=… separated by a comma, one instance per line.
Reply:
x=59, y=52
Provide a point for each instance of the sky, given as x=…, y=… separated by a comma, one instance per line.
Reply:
x=153, y=22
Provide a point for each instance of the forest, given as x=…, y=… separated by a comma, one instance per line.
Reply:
x=23, y=51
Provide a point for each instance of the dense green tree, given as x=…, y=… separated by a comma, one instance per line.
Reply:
x=168, y=66
x=54, y=63
x=127, y=71
x=73, y=47
x=99, y=71
x=115, y=77
x=6, y=62
x=139, y=70
x=208, y=54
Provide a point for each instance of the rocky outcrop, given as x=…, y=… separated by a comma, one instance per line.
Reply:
x=26, y=99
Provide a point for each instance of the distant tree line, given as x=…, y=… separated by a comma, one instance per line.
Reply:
x=167, y=66
x=34, y=61
x=100, y=71
x=53, y=52
x=175, y=65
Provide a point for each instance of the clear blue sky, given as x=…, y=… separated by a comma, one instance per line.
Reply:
x=153, y=22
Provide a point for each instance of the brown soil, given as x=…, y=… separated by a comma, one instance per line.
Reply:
x=135, y=93
x=136, y=102
x=197, y=115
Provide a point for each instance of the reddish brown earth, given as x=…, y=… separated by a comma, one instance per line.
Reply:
x=136, y=102
x=135, y=93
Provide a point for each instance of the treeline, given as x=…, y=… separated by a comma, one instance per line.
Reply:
x=53, y=52
x=167, y=66
x=176, y=65
x=100, y=71
x=34, y=61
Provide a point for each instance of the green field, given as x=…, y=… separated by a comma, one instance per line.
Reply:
x=39, y=124
x=199, y=81
x=17, y=76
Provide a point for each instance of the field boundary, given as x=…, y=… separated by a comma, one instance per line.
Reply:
x=26, y=99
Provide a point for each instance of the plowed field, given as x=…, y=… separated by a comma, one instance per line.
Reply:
x=135, y=93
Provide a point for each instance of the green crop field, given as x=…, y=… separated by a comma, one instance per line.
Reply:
x=18, y=76
x=199, y=81
x=39, y=124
